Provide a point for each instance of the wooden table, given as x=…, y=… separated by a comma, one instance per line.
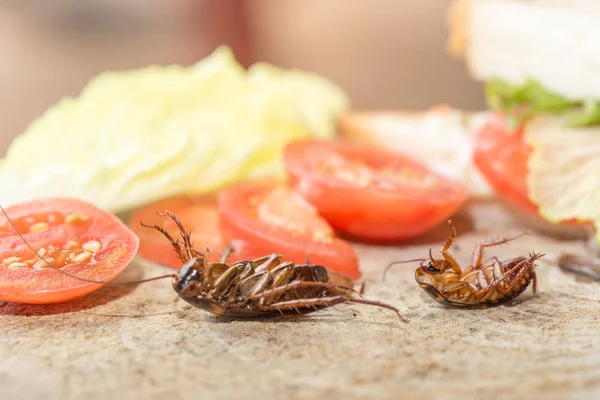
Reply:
x=136, y=342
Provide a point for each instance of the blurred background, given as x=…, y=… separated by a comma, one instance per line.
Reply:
x=383, y=53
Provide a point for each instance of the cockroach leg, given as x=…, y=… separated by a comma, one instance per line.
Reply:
x=498, y=268
x=186, y=236
x=302, y=303
x=226, y=280
x=509, y=285
x=451, y=238
x=226, y=253
x=378, y=304
x=298, y=284
x=478, y=252
x=174, y=243
x=447, y=256
x=341, y=291
x=263, y=283
x=328, y=301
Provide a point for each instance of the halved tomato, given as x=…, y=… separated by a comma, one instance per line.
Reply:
x=199, y=215
x=501, y=156
x=272, y=218
x=369, y=193
x=75, y=236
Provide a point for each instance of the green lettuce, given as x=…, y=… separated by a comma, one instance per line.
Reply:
x=521, y=102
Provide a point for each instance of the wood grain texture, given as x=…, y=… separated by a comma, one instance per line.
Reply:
x=135, y=342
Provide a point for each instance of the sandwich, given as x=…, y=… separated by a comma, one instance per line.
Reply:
x=540, y=146
x=537, y=145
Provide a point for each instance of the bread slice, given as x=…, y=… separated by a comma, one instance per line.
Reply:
x=441, y=138
x=554, y=42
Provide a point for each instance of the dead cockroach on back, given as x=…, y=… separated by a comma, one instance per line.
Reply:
x=267, y=286
x=484, y=283
x=253, y=288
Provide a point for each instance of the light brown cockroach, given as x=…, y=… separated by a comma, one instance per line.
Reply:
x=484, y=283
x=267, y=286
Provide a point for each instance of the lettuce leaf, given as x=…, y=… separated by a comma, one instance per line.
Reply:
x=564, y=169
x=521, y=102
x=134, y=137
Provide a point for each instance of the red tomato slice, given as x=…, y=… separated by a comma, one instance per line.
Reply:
x=369, y=193
x=198, y=214
x=81, y=239
x=502, y=156
x=271, y=218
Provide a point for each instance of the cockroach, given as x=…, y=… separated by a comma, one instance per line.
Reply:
x=484, y=283
x=583, y=265
x=266, y=286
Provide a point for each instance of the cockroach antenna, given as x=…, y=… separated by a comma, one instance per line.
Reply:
x=51, y=265
x=390, y=265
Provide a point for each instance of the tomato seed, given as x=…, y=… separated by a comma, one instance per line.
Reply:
x=39, y=227
x=322, y=237
x=82, y=257
x=92, y=245
x=11, y=260
x=75, y=218
x=71, y=244
x=43, y=264
x=16, y=265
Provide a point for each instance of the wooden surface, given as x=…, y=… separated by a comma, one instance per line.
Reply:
x=136, y=342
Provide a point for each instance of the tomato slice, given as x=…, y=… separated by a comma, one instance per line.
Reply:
x=272, y=218
x=80, y=238
x=199, y=215
x=501, y=156
x=369, y=193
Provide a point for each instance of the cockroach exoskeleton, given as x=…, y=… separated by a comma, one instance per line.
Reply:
x=254, y=288
x=484, y=283
x=267, y=286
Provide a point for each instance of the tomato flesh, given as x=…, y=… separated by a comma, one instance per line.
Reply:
x=369, y=193
x=502, y=156
x=271, y=218
x=75, y=236
x=199, y=215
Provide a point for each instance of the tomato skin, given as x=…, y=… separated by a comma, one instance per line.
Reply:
x=502, y=156
x=199, y=215
x=46, y=286
x=367, y=213
x=238, y=216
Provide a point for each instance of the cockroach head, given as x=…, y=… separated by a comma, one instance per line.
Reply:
x=432, y=266
x=192, y=271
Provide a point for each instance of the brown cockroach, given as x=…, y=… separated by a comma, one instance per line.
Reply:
x=484, y=283
x=267, y=286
